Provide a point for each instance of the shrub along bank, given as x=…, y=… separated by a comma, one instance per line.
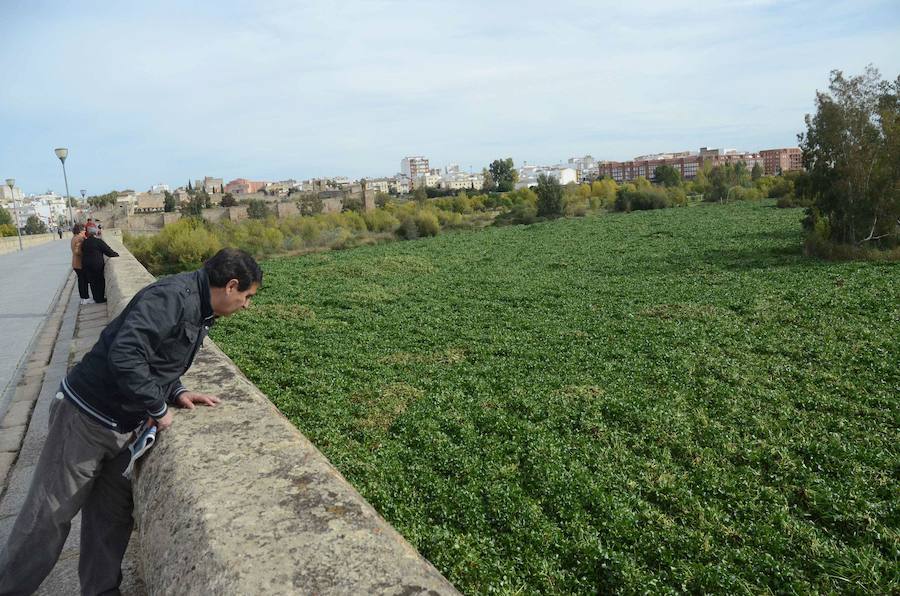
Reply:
x=187, y=243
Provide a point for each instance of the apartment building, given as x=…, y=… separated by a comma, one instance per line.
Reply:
x=585, y=167
x=787, y=159
x=462, y=181
x=686, y=163
x=414, y=166
x=7, y=194
x=378, y=185
x=719, y=157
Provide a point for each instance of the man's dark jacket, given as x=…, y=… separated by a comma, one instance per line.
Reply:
x=134, y=369
x=92, y=251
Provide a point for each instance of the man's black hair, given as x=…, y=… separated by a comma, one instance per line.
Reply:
x=77, y=228
x=232, y=263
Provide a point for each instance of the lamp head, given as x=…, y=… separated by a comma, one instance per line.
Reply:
x=61, y=153
x=10, y=182
x=83, y=192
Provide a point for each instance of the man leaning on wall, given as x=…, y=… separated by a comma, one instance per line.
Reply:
x=132, y=374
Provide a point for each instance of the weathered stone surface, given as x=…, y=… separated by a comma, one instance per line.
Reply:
x=32, y=376
x=235, y=500
x=17, y=415
x=6, y=462
x=39, y=358
x=11, y=438
x=27, y=393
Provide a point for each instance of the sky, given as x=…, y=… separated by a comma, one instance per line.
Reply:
x=166, y=91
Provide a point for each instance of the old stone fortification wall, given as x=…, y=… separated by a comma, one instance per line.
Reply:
x=235, y=500
x=11, y=243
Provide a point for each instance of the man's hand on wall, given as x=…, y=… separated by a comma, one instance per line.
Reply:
x=189, y=398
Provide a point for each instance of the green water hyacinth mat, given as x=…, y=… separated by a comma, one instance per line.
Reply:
x=662, y=401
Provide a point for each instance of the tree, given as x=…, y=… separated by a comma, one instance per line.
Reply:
x=381, y=198
x=5, y=217
x=504, y=174
x=850, y=150
x=189, y=187
x=33, y=225
x=757, y=172
x=667, y=175
x=724, y=178
x=207, y=200
x=222, y=189
x=550, y=196
x=194, y=208
x=420, y=195
x=488, y=184
x=228, y=200
x=353, y=203
x=310, y=204
x=100, y=201
x=168, y=202
x=257, y=209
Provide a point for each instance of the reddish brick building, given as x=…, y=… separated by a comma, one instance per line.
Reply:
x=776, y=161
x=685, y=163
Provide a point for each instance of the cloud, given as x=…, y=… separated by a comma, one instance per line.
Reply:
x=148, y=92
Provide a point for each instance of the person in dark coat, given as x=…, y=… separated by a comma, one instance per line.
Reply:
x=132, y=375
x=92, y=251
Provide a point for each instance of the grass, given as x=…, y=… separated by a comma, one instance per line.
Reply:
x=664, y=401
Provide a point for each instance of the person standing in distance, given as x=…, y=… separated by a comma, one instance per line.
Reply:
x=77, y=241
x=92, y=251
x=131, y=374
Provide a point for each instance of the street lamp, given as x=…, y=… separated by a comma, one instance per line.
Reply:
x=11, y=183
x=83, y=192
x=62, y=153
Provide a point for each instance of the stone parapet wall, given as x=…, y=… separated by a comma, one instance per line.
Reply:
x=11, y=243
x=235, y=500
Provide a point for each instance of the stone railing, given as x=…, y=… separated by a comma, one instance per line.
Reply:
x=11, y=243
x=235, y=500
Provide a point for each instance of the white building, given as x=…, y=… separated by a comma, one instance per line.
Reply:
x=430, y=180
x=159, y=188
x=585, y=167
x=7, y=195
x=528, y=174
x=378, y=185
x=399, y=185
x=463, y=181
x=414, y=166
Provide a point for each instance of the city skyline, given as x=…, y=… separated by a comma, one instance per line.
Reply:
x=269, y=91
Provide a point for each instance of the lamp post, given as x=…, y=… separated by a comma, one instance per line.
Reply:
x=62, y=153
x=83, y=192
x=11, y=183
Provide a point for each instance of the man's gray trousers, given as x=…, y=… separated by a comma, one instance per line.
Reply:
x=80, y=468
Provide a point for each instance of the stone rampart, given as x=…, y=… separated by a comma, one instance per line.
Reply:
x=235, y=500
x=11, y=243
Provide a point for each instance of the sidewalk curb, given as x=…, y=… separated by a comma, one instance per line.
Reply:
x=18, y=404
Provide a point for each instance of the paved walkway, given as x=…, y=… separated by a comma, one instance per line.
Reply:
x=31, y=282
x=61, y=338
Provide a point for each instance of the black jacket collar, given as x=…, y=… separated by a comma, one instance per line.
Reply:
x=206, y=308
